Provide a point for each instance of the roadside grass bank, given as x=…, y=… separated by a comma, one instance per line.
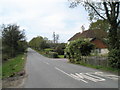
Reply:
x=99, y=67
x=49, y=53
x=61, y=56
x=14, y=66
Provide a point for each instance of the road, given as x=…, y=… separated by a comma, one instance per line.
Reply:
x=44, y=72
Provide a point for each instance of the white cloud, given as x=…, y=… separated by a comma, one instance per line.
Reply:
x=42, y=17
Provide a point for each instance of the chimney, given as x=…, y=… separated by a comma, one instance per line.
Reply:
x=83, y=28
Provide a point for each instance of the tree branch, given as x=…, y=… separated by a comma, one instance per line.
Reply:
x=106, y=9
x=118, y=23
x=95, y=10
x=118, y=7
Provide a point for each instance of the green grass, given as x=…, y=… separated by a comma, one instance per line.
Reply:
x=109, y=69
x=61, y=56
x=48, y=49
x=13, y=65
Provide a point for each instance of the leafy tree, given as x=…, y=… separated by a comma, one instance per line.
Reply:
x=38, y=43
x=106, y=10
x=78, y=48
x=114, y=57
x=100, y=24
x=11, y=36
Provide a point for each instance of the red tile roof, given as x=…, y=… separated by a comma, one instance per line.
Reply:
x=89, y=34
x=98, y=43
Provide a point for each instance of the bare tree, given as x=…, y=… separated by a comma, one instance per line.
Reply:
x=57, y=38
x=53, y=37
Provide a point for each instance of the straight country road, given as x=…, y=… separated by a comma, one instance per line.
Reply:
x=45, y=72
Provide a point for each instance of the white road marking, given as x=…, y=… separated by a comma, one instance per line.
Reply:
x=79, y=75
x=46, y=63
x=97, y=78
x=89, y=76
x=114, y=77
x=78, y=78
x=70, y=75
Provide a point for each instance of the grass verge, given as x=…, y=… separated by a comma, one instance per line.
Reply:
x=108, y=69
x=13, y=66
x=61, y=56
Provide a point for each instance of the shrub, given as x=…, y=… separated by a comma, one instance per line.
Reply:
x=78, y=48
x=60, y=48
x=53, y=55
x=114, y=58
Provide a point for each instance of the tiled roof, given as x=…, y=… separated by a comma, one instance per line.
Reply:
x=89, y=34
x=99, y=43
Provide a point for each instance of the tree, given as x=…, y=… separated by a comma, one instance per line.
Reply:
x=11, y=36
x=55, y=37
x=78, y=48
x=38, y=43
x=100, y=24
x=106, y=10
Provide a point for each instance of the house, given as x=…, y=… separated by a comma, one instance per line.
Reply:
x=96, y=37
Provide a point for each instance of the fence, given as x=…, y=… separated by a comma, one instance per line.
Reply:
x=96, y=60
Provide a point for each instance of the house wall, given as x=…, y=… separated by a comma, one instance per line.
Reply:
x=100, y=51
x=104, y=51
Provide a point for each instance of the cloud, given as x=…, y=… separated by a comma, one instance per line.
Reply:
x=43, y=17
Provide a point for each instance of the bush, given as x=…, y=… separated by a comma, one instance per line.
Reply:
x=76, y=49
x=114, y=58
x=53, y=55
x=60, y=48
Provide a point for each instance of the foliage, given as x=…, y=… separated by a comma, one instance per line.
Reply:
x=13, y=41
x=78, y=48
x=114, y=58
x=53, y=54
x=61, y=56
x=60, y=48
x=38, y=43
x=49, y=50
x=100, y=24
x=109, y=11
x=22, y=45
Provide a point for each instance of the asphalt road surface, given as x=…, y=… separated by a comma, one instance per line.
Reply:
x=45, y=72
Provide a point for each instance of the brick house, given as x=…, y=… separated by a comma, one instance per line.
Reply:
x=96, y=37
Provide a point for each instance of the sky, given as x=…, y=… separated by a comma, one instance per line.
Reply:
x=43, y=17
